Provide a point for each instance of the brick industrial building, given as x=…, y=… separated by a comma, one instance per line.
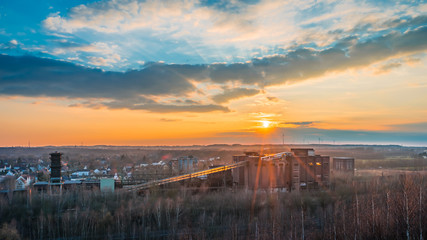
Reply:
x=295, y=170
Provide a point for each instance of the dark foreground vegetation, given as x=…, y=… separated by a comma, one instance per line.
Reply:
x=374, y=208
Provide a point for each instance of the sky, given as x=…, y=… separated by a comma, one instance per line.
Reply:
x=184, y=72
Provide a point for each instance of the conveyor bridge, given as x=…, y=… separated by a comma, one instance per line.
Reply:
x=185, y=176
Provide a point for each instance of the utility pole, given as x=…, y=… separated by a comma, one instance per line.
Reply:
x=283, y=138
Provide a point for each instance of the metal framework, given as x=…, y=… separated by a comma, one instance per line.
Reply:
x=185, y=176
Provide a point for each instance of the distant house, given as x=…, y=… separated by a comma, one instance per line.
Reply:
x=116, y=177
x=80, y=174
x=100, y=171
x=22, y=182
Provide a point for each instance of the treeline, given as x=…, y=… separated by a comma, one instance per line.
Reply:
x=375, y=208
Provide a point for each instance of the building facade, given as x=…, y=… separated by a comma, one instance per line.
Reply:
x=343, y=165
x=309, y=171
x=285, y=171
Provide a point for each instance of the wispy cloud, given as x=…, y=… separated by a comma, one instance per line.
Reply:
x=170, y=120
x=299, y=124
x=388, y=67
x=235, y=93
x=418, y=127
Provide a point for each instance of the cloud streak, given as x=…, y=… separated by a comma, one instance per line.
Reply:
x=299, y=124
x=235, y=93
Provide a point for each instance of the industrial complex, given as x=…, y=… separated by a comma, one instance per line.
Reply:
x=296, y=170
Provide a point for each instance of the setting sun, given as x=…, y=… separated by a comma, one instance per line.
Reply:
x=265, y=124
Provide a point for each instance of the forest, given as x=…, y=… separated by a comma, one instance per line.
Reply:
x=390, y=207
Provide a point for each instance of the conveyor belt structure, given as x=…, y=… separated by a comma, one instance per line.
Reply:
x=185, y=176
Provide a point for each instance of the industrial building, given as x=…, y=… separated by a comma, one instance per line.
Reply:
x=287, y=171
x=55, y=168
x=309, y=171
x=299, y=169
x=343, y=165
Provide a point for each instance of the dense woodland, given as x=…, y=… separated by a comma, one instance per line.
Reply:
x=352, y=208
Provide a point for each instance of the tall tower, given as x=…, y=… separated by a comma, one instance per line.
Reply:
x=55, y=167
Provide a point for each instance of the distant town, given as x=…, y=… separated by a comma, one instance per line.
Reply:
x=23, y=168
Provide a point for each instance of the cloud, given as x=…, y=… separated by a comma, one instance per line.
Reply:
x=171, y=29
x=305, y=63
x=388, y=67
x=216, y=30
x=63, y=46
x=396, y=63
x=227, y=31
x=34, y=77
x=164, y=108
x=13, y=42
x=406, y=23
x=235, y=93
x=418, y=127
x=31, y=76
x=300, y=124
x=142, y=103
x=273, y=99
x=170, y=120
x=101, y=61
x=11, y=45
x=152, y=106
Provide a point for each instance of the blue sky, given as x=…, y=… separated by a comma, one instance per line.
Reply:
x=234, y=59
